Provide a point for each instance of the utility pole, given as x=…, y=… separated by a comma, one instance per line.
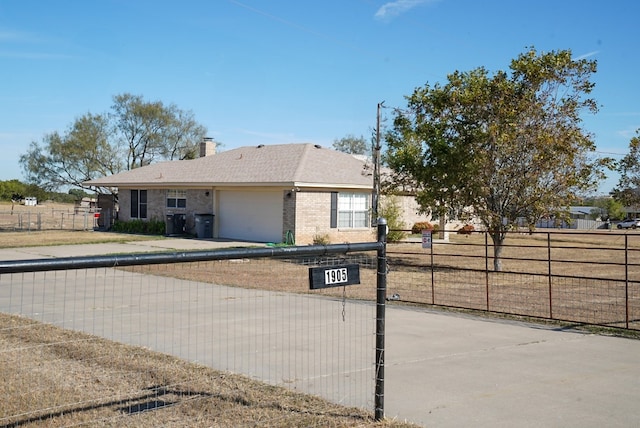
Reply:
x=376, y=170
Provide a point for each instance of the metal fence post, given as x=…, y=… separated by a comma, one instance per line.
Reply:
x=549, y=275
x=381, y=298
x=626, y=280
x=433, y=276
x=486, y=266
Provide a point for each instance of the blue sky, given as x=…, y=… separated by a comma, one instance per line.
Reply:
x=275, y=71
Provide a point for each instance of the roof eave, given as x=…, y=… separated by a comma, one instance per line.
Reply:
x=301, y=184
x=198, y=185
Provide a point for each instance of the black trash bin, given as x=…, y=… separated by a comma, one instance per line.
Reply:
x=175, y=224
x=169, y=225
x=204, y=225
x=179, y=223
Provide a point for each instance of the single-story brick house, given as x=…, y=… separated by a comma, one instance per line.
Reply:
x=266, y=193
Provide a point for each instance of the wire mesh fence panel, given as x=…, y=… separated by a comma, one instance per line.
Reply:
x=633, y=311
x=573, y=276
x=64, y=333
x=519, y=294
x=202, y=322
x=48, y=219
x=590, y=301
x=460, y=288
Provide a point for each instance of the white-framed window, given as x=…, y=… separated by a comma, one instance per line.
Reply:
x=176, y=198
x=138, y=203
x=352, y=209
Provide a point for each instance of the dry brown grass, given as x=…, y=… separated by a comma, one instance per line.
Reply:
x=52, y=233
x=580, y=253
x=65, y=237
x=595, y=255
x=592, y=277
x=55, y=377
x=46, y=216
x=587, y=282
x=268, y=274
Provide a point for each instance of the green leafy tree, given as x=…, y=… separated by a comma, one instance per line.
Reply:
x=182, y=137
x=352, y=145
x=82, y=153
x=391, y=211
x=37, y=191
x=78, y=194
x=608, y=208
x=134, y=133
x=628, y=189
x=150, y=131
x=615, y=210
x=500, y=147
x=10, y=189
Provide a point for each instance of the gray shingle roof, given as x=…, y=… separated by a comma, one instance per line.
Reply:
x=264, y=165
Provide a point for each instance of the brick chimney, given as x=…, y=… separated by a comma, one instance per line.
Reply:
x=207, y=147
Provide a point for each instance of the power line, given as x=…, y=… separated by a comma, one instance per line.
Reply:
x=609, y=153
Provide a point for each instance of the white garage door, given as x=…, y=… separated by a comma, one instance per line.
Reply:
x=250, y=216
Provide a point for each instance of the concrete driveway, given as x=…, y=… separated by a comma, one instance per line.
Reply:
x=442, y=369
x=168, y=244
x=452, y=370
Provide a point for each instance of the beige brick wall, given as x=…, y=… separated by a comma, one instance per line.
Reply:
x=156, y=200
x=124, y=201
x=289, y=214
x=306, y=214
x=198, y=202
x=409, y=208
x=313, y=219
x=310, y=213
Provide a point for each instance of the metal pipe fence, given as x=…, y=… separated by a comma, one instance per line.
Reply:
x=251, y=311
x=48, y=219
x=240, y=311
x=579, y=277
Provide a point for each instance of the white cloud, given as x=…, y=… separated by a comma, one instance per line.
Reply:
x=18, y=37
x=10, y=36
x=395, y=8
x=629, y=132
x=32, y=55
x=585, y=56
x=16, y=46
